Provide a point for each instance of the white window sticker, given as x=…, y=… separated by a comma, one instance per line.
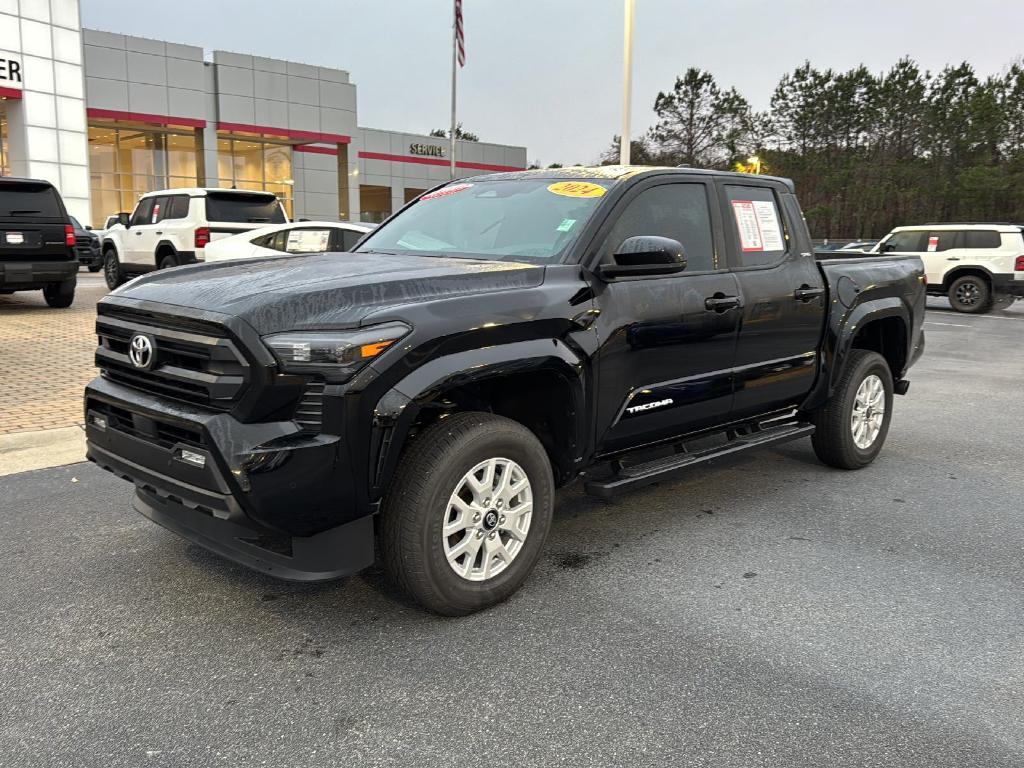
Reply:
x=933, y=243
x=758, y=224
x=746, y=223
x=307, y=241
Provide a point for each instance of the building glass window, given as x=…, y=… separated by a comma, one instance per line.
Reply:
x=5, y=160
x=375, y=203
x=257, y=165
x=126, y=162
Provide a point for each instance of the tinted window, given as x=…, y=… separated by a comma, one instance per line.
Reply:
x=241, y=208
x=906, y=242
x=512, y=219
x=349, y=238
x=981, y=238
x=943, y=241
x=74, y=223
x=757, y=222
x=678, y=211
x=29, y=200
x=160, y=208
x=178, y=208
x=143, y=212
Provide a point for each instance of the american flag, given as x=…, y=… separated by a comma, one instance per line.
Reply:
x=460, y=36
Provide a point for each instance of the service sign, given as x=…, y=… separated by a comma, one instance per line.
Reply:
x=10, y=70
x=427, y=150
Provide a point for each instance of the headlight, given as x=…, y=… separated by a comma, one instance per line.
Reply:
x=336, y=355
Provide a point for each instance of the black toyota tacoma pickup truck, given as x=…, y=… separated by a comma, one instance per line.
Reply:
x=496, y=339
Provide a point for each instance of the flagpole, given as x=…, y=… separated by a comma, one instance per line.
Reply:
x=627, y=84
x=455, y=47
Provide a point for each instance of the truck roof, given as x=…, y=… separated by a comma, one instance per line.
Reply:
x=622, y=172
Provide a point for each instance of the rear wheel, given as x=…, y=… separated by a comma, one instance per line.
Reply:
x=851, y=429
x=95, y=267
x=466, y=518
x=168, y=260
x=971, y=294
x=60, y=295
x=113, y=273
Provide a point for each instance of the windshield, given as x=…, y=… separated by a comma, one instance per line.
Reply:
x=240, y=208
x=512, y=220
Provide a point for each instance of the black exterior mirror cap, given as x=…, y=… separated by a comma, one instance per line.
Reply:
x=124, y=219
x=646, y=255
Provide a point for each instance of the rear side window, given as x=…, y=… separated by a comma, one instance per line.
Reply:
x=30, y=200
x=679, y=211
x=349, y=239
x=943, y=241
x=758, y=224
x=241, y=208
x=308, y=241
x=177, y=208
x=160, y=208
x=982, y=238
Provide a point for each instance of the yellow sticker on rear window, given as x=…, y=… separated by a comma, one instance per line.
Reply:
x=576, y=189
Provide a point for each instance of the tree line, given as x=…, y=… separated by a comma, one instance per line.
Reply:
x=867, y=151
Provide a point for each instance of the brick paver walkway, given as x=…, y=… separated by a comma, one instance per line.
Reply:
x=46, y=357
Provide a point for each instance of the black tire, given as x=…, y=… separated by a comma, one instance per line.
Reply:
x=95, y=267
x=833, y=438
x=415, y=508
x=60, y=295
x=971, y=294
x=167, y=261
x=113, y=273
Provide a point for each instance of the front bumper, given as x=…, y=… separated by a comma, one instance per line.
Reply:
x=32, y=275
x=264, y=495
x=89, y=255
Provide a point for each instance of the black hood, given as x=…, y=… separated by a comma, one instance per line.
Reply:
x=333, y=290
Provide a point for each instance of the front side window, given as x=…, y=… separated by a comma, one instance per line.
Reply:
x=678, y=211
x=906, y=242
x=533, y=220
x=143, y=212
x=758, y=223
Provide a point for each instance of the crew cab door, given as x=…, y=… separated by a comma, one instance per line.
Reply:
x=783, y=294
x=666, y=342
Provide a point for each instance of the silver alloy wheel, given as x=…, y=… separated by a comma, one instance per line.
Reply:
x=868, y=412
x=487, y=519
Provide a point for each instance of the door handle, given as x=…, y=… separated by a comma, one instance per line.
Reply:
x=138, y=234
x=159, y=233
x=952, y=258
x=720, y=302
x=804, y=293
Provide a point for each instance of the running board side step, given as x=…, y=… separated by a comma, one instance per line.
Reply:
x=629, y=478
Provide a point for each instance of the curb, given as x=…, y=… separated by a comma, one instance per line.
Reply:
x=23, y=451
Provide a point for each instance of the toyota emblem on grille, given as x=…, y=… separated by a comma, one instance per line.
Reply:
x=140, y=351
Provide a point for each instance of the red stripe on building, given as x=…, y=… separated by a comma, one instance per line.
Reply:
x=10, y=93
x=316, y=150
x=286, y=133
x=142, y=117
x=437, y=161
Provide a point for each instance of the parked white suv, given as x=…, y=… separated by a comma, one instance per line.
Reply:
x=173, y=226
x=298, y=237
x=977, y=266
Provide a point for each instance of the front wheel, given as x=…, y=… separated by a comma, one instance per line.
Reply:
x=60, y=295
x=851, y=429
x=466, y=518
x=113, y=273
x=971, y=294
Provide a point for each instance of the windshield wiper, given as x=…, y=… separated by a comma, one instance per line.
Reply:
x=373, y=250
x=26, y=210
x=258, y=221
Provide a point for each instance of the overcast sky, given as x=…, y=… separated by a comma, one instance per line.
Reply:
x=548, y=73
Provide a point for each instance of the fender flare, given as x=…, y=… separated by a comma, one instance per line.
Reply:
x=397, y=410
x=840, y=337
x=959, y=269
x=159, y=246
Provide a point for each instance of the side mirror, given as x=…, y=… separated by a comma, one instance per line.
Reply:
x=645, y=255
x=88, y=228
x=887, y=248
x=124, y=219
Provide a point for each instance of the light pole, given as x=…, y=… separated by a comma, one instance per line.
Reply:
x=627, y=83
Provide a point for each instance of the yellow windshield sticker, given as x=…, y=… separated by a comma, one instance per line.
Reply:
x=576, y=189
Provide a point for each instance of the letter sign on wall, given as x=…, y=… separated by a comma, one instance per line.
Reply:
x=10, y=70
x=430, y=150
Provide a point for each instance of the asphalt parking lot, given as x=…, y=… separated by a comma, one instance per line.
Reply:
x=763, y=611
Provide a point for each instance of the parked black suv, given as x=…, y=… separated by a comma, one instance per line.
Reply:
x=497, y=338
x=37, y=241
x=87, y=246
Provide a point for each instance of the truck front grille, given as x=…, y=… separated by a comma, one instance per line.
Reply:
x=193, y=361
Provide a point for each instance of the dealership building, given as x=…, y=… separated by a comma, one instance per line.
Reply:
x=107, y=117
